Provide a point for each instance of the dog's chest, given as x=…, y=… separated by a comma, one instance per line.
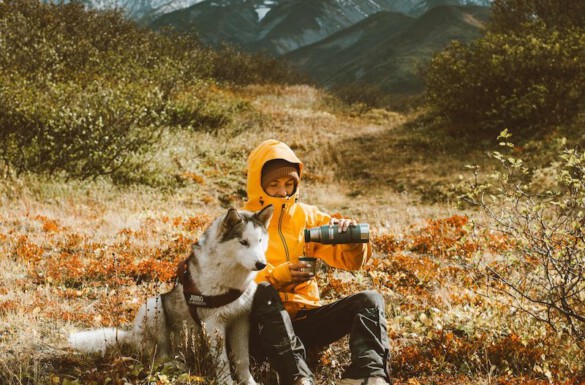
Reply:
x=227, y=313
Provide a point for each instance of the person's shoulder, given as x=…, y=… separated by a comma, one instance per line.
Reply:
x=314, y=216
x=307, y=207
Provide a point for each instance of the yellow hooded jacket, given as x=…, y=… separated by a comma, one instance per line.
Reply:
x=286, y=233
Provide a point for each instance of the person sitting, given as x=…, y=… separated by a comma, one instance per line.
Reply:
x=287, y=314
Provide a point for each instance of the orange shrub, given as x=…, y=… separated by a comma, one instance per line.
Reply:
x=49, y=225
x=386, y=244
x=28, y=251
x=196, y=223
x=8, y=306
x=444, y=238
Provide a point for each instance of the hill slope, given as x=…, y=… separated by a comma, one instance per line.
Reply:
x=387, y=48
x=215, y=22
x=274, y=27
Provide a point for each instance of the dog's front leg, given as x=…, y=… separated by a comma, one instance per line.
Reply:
x=217, y=335
x=238, y=335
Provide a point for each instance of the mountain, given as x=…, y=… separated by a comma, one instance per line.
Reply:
x=387, y=49
x=280, y=26
x=337, y=42
x=294, y=24
x=234, y=22
x=421, y=7
x=270, y=26
x=137, y=9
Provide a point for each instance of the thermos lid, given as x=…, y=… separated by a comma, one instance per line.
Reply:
x=364, y=231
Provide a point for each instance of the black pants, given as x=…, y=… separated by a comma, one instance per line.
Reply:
x=282, y=340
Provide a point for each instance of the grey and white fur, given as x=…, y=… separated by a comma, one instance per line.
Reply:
x=227, y=256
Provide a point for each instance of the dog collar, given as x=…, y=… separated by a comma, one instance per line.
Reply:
x=194, y=297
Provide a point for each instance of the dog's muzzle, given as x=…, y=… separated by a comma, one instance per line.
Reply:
x=259, y=266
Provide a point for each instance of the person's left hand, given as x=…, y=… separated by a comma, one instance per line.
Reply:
x=343, y=223
x=297, y=273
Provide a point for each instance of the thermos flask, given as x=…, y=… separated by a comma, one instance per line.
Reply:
x=329, y=234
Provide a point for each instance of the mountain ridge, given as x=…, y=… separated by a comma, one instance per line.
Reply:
x=388, y=59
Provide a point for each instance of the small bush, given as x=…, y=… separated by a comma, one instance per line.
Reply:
x=234, y=66
x=63, y=127
x=204, y=108
x=528, y=80
x=543, y=271
x=515, y=16
x=362, y=96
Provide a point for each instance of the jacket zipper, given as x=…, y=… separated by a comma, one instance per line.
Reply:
x=281, y=234
x=283, y=241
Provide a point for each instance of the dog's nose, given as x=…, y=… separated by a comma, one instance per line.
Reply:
x=260, y=266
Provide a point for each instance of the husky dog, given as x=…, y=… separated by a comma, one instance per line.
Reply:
x=222, y=266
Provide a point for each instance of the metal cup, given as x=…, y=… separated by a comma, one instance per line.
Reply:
x=311, y=265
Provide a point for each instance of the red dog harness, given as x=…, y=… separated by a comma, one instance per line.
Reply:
x=193, y=296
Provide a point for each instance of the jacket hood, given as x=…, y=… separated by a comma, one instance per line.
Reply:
x=266, y=151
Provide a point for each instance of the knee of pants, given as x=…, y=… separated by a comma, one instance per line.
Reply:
x=266, y=296
x=370, y=299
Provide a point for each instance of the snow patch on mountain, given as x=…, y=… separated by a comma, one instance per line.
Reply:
x=262, y=11
x=138, y=9
x=263, y=8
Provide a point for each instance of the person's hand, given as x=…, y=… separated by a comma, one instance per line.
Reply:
x=342, y=224
x=297, y=274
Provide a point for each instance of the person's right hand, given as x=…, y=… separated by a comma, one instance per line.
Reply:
x=296, y=273
x=343, y=223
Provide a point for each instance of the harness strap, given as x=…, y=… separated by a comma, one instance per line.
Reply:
x=195, y=299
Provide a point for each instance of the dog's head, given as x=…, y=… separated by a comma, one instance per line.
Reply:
x=243, y=235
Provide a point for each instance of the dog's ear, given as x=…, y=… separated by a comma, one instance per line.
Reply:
x=231, y=219
x=265, y=215
x=195, y=249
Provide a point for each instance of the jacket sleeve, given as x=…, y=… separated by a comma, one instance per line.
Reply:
x=344, y=256
x=278, y=276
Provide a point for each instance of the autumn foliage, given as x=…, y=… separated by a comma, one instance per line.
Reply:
x=444, y=322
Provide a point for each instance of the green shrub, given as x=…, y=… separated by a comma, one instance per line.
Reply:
x=516, y=16
x=75, y=44
x=88, y=93
x=233, y=66
x=525, y=80
x=63, y=127
x=543, y=221
x=207, y=108
x=364, y=96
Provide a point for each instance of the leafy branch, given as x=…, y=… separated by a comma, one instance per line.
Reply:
x=544, y=270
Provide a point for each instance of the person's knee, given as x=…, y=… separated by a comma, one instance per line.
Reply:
x=266, y=296
x=265, y=290
x=371, y=299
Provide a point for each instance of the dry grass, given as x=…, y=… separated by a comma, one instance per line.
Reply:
x=86, y=254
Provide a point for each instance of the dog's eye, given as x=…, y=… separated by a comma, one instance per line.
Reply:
x=244, y=242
